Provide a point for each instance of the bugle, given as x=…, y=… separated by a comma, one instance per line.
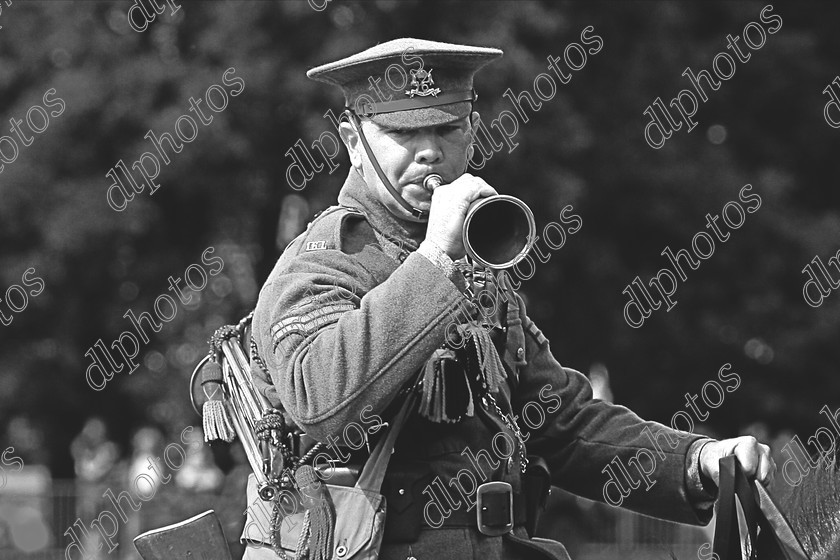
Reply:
x=498, y=231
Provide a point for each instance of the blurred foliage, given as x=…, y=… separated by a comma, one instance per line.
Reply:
x=584, y=147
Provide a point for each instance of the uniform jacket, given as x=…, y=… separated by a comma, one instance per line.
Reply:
x=351, y=312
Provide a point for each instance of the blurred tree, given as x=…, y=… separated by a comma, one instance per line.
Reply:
x=584, y=147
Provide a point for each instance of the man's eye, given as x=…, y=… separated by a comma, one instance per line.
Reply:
x=452, y=129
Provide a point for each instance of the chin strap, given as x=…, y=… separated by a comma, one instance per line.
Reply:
x=416, y=212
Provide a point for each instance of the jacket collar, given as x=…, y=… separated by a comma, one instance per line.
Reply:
x=357, y=194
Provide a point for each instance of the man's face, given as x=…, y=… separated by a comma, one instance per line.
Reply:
x=408, y=156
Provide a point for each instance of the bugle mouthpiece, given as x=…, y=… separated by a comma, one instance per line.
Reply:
x=432, y=181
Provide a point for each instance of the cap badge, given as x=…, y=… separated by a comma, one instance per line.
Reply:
x=421, y=84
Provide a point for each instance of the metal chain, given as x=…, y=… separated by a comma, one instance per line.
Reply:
x=479, y=275
x=510, y=422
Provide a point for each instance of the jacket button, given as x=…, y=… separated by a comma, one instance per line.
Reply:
x=520, y=353
x=401, y=491
x=340, y=551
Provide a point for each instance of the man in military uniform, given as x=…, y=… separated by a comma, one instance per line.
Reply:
x=362, y=301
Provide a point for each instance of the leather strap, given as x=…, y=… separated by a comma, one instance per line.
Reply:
x=460, y=517
x=759, y=511
x=373, y=473
x=788, y=542
x=422, y=102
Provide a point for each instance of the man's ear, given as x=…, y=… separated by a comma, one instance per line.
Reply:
x=350, y=137
x=474, y=120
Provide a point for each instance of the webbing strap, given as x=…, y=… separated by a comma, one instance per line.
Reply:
x=373, y=473
x=759, y=511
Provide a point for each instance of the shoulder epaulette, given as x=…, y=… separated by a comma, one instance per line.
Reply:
x=325, y=230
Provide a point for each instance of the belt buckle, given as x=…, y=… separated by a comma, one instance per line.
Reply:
x=483, y=494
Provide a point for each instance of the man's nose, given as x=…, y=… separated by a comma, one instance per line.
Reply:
x=428, y=148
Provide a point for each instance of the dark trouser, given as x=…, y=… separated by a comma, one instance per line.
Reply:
x=455, y=543
x=438, y=544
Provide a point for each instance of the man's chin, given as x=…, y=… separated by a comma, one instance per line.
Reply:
x=404, y=214
x=399, y=211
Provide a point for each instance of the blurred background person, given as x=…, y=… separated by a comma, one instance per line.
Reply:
x=199, y=473
x=95, y=457
x=25, y=489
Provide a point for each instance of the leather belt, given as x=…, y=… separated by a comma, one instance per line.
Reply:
x=495, y=518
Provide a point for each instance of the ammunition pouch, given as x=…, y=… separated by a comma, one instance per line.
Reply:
x=403, y=490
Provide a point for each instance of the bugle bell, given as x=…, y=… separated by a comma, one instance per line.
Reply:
x=499, y=230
